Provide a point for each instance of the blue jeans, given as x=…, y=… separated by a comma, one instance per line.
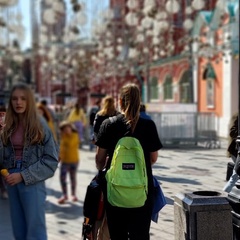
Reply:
x=27, y=209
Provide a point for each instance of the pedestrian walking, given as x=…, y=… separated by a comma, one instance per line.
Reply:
x=30, y=155
x=78, y=117
x=232, y=152
x=107, y=110
x=69, y=159
x=143, y=113
x=44, y=111
x=92, y=115
x=129, y=223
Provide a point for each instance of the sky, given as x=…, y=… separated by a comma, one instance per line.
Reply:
x=92, y=7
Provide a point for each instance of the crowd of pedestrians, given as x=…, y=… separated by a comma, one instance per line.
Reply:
x=35, y=140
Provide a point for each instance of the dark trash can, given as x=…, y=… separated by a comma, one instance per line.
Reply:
x=202, y=215
x=234, y=201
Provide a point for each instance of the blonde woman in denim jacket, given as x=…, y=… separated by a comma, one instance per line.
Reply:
x=30, y=155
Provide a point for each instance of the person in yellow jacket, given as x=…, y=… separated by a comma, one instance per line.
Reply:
x=69, y=159
x=78, y=117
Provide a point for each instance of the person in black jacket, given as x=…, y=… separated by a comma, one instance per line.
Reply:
x=129, y=223
x=92, y=115
x=232, y=152
x=108, y=109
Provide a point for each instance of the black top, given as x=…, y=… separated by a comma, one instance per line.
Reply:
x=92, y=114
x=98, y=121
x=233, y=133
x=145, y=132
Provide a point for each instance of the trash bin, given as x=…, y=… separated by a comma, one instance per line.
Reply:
x=234, y=201
x=202, y=215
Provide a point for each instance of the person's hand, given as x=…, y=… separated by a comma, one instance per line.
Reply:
x=2, y=125
x=13, y=179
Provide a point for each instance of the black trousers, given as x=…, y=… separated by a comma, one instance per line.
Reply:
x=129, y=223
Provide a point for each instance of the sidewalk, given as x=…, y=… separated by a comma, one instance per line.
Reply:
x=179, y=170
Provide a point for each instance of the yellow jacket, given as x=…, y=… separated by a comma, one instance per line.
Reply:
x=74, y=117
x=69, y=144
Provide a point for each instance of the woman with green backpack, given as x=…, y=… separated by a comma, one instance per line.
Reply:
x=133, y=142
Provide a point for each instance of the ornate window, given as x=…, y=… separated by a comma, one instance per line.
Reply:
x=186, y=88
x=210, y=92
x=154, y=88
x=209, y=76
x=168, y=88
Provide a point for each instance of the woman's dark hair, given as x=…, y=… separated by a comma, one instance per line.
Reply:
x=130, y=103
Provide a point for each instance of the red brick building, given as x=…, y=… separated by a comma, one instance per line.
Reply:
x=166, y=80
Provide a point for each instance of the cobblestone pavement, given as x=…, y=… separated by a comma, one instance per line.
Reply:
x=179, y=170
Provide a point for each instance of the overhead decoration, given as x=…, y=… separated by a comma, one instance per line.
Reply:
x=132, y=4
x=131, y=19
x=198, y=4
x=172, y=6
x=188, y=24
x=49, y=16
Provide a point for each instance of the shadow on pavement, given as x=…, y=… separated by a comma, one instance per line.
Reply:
x=177, y=180
x=67, y=211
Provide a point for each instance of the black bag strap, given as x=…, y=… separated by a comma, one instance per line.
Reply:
x=1, y=154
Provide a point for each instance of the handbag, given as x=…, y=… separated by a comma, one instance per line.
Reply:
x=93, y=203
x=93, y=206
x=159, y=200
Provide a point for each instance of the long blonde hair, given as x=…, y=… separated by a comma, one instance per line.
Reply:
x=32, y=127
x=130, y=103
x=108, y=106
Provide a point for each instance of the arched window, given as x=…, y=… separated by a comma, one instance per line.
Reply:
x=210, y=92
x=154, y=88
x=168, y=88
x=186, y=88
x=209, y=76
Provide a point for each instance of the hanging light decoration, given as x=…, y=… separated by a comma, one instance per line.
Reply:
x=132, y=4
x=133, y=53
x=188, y=10
x=172, y=6
x=198, y=4
x=58, y=7
x=147, y=22
x=150, y=3
x=131, y=19
x=140, y=38
x=188, y=24
x=49, y=16
x=161, y=15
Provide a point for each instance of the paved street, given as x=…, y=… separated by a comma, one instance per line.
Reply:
x=179, y=170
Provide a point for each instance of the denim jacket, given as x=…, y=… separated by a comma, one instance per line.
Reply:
x=39, y=161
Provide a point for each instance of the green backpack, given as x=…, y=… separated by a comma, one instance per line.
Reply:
x=127, y=182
